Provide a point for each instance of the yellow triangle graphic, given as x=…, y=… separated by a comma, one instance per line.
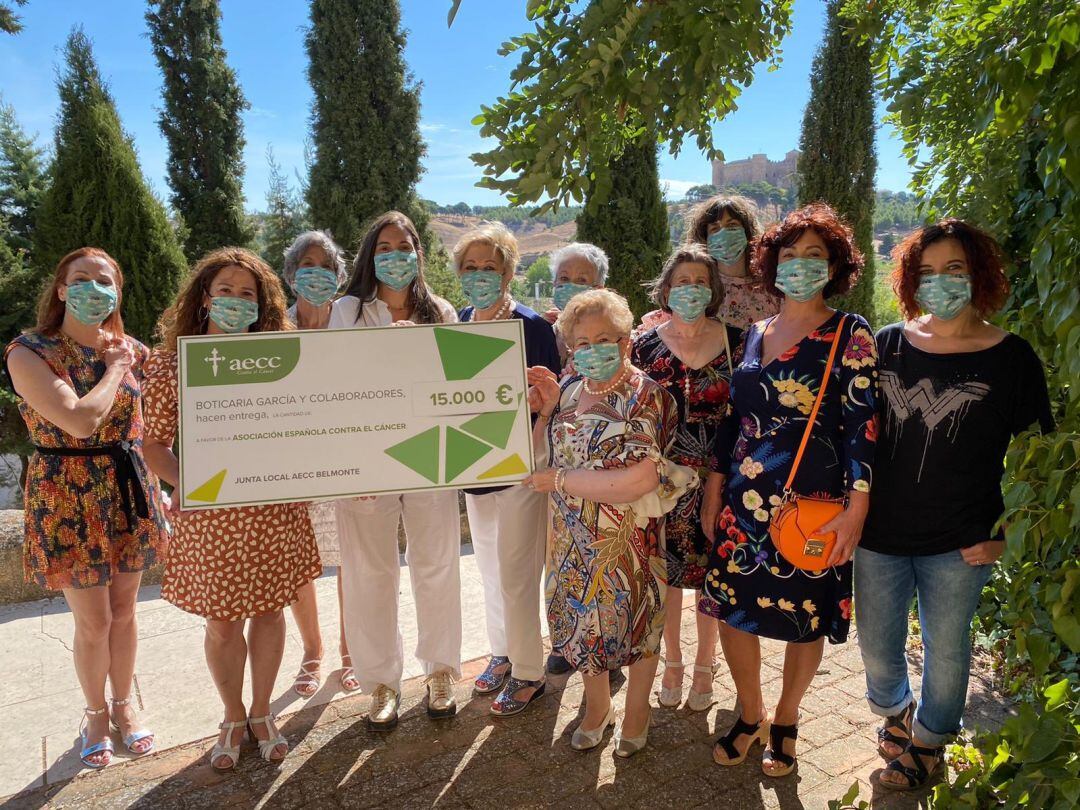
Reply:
x=509, y=466
x=209, y=491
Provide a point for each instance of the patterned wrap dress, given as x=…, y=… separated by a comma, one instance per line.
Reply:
x=231, y=563
x=703, y=401
x=605, y=581
x=749, y=585
x=78, y=533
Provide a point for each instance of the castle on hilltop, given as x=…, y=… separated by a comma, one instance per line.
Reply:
x=755, y=169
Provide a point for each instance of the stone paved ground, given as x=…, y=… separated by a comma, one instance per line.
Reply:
x=476, y=761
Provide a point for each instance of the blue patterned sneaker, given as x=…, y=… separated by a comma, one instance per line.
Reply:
x=492, y=678
x=506, y=704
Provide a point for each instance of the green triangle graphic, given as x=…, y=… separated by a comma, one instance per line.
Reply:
x=461, y=453
x=492, y=427
x=508, y=466
x=465, y=354
x=420, y=454
x=208, y=492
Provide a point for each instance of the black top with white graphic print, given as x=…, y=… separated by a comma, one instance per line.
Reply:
x=945, y=423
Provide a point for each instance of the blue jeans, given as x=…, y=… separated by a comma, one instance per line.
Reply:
x=948, y=591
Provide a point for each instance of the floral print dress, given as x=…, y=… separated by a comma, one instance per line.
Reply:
x=78, y=534
x=703, y=401
x=605, y=581
x=230, y=563
x=749, y=585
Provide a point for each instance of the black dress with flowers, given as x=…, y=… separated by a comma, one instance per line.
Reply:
x=703, y=397
x=748, y=584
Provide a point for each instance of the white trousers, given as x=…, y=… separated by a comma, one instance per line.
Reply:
x=371, y=576
x=509, y=536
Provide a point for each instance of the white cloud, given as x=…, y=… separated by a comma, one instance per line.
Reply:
x=676, y=189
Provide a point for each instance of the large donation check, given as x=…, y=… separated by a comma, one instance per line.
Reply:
x=296, y=416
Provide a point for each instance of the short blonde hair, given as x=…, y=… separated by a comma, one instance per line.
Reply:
x=490, y=233
x=607, y=303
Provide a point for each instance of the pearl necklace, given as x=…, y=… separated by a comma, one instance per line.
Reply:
x=504, y=310
x=618, y=382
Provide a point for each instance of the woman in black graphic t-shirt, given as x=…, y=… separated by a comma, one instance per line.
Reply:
x=954, y=391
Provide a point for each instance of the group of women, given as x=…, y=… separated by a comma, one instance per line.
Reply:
x=666, y=455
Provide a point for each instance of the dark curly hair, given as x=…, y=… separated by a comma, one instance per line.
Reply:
x=704, y=214
x=845, y=258
x=688, y=254
x=986, y=264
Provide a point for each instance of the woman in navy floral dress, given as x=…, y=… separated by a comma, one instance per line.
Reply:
x=750, y=587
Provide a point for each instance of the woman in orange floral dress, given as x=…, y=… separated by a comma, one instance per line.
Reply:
x=94, y=520
x=230, y=565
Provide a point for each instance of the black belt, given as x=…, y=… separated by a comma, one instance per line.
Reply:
x=123, y=455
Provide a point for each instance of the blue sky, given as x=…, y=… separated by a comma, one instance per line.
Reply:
x=459, y=69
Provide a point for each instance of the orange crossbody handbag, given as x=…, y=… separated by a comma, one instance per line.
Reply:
x=798, y=516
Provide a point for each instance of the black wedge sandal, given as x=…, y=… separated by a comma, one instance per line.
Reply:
x=725, y=746
x=775, y=751
x=901, y=721
x=920, y=775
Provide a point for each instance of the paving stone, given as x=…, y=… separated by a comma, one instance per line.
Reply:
x=526, y=761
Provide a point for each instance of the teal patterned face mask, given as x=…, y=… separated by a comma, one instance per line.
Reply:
x=727, y=244
x=802, y=279
x=316, y=285
x=565, y=291
x=689, y=301
x=598, y=361
x=943, y=295
x=89, y=302
x=233, y=314
x=482, y=287
x=396, y=269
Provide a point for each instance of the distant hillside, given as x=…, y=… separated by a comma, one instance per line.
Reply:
x=535, y=239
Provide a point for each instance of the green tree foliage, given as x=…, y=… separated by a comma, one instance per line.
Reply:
x=440, y=276
x=986, y=96
x=98, y=196
x=23, y=180
x=200, y=120
x=700, y=193
x=631, y=224
x=837, y=162
x=284, y=217
x=365, y=118
x=539, y=272
x=9, y=20
x=588, y=68
x=514, y=217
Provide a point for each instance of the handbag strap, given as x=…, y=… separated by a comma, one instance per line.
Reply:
x=727, y=351
x=817, y=405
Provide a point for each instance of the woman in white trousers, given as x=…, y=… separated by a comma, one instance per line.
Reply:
x=387, y=287
x=508, y=525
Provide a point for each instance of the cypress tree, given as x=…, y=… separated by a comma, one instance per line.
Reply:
x=201, y=123
x=23, y=179
x=630, y=224
x=838, y=162
x=284, y=218
x=98, y=196
x=365, y=118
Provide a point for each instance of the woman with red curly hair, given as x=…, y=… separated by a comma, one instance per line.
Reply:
x=955, y=390
x=94, y=517
x=234, y=566
x=749, y=585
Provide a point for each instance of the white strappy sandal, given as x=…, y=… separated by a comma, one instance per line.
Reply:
x=230, y=752
x=671, y=697
x=700, y=701
x=307, y=680
x=266, y=747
